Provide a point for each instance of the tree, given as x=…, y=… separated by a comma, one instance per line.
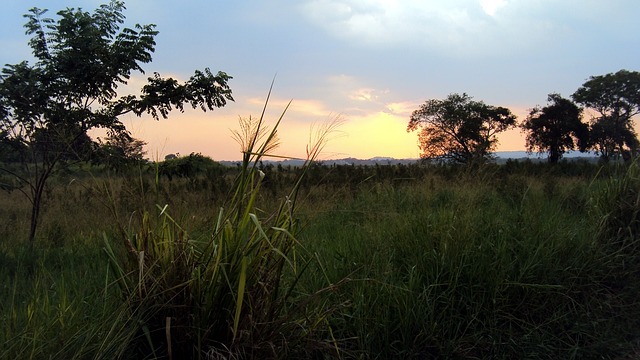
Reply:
x=556, y=128
x=81, y=59
x=459, y=129
x=11, y=150
x=66, y=143
x=616, y=98
x=120, y=151
x=189, y=166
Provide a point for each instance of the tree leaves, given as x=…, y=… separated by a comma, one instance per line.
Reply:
x=556, y=128
x=203, y=90
x=616, y=97
x=82, y=57
x=458, y=128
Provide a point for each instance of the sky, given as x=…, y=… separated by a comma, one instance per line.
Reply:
x=367, y=63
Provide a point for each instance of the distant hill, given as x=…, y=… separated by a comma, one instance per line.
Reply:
x=524, y=154
x=382, y=160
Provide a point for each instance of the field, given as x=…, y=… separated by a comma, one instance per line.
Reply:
x=519, y=260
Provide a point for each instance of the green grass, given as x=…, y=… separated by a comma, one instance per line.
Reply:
x=55, y=303
x=398, y=262
x=464, y=270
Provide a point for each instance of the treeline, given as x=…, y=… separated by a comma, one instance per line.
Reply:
x=459, y=129
x=200, y=171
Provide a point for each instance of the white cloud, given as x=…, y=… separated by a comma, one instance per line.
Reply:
x=458, y=28
x=392, y=23
x=402, y=108
x=492, y=6
x=355, y=95
x=367, y=94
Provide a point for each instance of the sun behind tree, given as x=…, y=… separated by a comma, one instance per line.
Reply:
x=459, y=129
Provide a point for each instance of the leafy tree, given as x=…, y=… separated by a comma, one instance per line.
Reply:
x=556, y=128
x=62, y=143
x=81, y=59
x=120, y=151
x=459, y=129
x=11, y=150
x=616, y=98
x=189, y=166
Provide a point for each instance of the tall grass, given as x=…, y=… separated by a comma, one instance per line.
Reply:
x=233, y=294
x=55, y=304
x=376, y=262
x=455, y=271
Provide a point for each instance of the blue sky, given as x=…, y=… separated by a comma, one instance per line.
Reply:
x=371, y=63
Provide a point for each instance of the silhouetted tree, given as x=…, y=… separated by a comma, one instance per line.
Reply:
x=61, y=143
x=616, y=98
x=556, y=128
x=119, y=151
x=459, y=129
x=81, y=58
x=11, y=150
x=188, y=166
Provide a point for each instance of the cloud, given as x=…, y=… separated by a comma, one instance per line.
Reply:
x=490, y=7
x=364, y=94
x=355, y=95
x=459, y=28
x=367, y=94
x=299, y=107
x=402, y=108
x=453, y=24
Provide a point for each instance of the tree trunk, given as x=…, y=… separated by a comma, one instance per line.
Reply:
x=38, y=193
x=554, y=156
x=36, y=205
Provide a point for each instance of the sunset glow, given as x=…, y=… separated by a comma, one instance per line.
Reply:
x=371, y=63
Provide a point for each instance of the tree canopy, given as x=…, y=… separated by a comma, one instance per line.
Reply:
x=119, y=151
x=458, y=128
x=556, y=128
x=80, y=60
x=616, y=99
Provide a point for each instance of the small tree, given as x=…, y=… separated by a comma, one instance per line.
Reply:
x=459, y=129
x=556, y=128
x=11, y=150
x=119, y=151
x=616, y=98
x=81, y=58
x=188, y=166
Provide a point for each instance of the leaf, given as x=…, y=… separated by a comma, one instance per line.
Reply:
x=240, y=296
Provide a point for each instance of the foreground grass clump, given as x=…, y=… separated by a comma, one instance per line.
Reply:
x=232, y=294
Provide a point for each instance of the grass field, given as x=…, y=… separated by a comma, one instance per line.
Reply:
x=407, y=261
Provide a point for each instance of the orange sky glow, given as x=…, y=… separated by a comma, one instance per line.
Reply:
x=363, y=136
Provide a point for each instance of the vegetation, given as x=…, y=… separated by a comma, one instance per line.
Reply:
x=459, y=129
x=189, y=167
x=186, y=258
x=119, y=151
x=556, y=128
x=232, y=293
x=616, y=98
x=423, y=261
x=47, y=108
